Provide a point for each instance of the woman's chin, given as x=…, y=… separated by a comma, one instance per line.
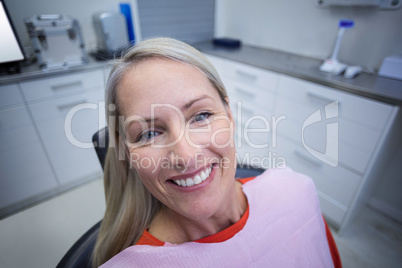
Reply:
x=197, y=211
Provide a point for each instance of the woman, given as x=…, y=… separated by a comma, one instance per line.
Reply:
x=171, y=196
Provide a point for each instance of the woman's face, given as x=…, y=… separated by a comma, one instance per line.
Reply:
x=180, y=136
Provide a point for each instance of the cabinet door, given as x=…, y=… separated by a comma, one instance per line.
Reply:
x=252, y=94
x=318, y=118
x=247, y=74
x=62, y=85
x=357, y=123
x=312, y=97
x=356, y=142
x=10, y=96
x=262, y=99
x=217, y=62
x=25, y=171
x=66, y=126
x=336, y=187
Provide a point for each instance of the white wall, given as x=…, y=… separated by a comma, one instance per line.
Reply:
x=299, y=27
x=79, y=9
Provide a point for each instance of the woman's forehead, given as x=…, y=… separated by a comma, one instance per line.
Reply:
x=161, y=81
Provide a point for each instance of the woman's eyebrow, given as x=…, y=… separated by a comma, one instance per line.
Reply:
x=184, y=107
x=191, y=102
x=148, y=121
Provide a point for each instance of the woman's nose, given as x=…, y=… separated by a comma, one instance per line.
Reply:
x=182, y=153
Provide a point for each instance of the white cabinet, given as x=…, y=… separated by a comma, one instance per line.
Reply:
x=10, y=96
x=336, y=187
x=252, y=97
x=360, y=121
x=69, y=104
x=334, y=137
x=352, y=130
x=71, y=162
x=24, y=169
x=46, y=128
x=68, y=84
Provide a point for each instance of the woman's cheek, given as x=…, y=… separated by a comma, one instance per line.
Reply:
x=145, y=160
x=222, y=134
x=198, y=138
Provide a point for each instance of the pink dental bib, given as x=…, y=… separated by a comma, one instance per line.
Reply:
x=284, y=229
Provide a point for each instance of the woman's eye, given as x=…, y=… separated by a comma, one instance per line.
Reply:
x=148, y=135
x=202, y=116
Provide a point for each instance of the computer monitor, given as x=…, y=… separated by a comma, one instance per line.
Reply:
x=10, y=47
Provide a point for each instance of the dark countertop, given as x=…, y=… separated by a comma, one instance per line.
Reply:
x=365, y=84
x=33, y=71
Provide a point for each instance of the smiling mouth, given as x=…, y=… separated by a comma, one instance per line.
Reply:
x=196, y=179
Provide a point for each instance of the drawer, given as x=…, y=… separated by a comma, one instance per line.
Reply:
x=83, y=124
x=80, y=132
x=16, y=133
x=10, y=96
x=16, y=129
x=351, y=107
x=249, y=155
x=338, y=183
x=73, y=158
x=248, y=111
x=24, y=169
x=332, y=213
x=62, y=85
x=12, y=138
x=25, y=173
x=216, y=62
x=249, y=75
x=252, y=140
x=357, y=143
x=257, y=97
x=59, y=108
x=70, y=162
x=251, y=124
x=355, y=135
x=14, y=118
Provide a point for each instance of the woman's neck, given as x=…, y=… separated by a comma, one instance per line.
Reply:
x=170, y=226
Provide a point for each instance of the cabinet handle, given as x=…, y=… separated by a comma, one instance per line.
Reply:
x=245, y=92
x=310, y=159
x=70, y=105
x=321, y=97
x=246, y=75
x=66, y=85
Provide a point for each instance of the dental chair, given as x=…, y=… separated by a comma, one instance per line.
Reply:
x=79, y=255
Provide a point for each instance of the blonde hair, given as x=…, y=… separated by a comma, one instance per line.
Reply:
x=130, y=207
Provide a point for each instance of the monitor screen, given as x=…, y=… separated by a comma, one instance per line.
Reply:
x=10, y=49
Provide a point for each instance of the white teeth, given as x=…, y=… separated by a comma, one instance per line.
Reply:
x=196, y=180
x=208, y=171
x=189, y=182
x=203, y=175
